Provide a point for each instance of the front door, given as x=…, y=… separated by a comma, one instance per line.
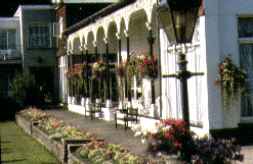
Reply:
x=44, y=78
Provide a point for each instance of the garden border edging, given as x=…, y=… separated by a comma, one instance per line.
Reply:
x=58, y=148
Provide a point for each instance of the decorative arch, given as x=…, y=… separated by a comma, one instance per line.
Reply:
x=138, y=32
x=90, y=40
x=154, y=26
x=76, y=45
x=137, y=14
x=83, y=40
x=100, y=40
x=112, y=39
x=112, y=25
x=123, y=27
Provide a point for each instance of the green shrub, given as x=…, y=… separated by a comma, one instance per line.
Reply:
x=24, y=89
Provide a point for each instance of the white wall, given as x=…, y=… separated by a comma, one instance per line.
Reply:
x=197, y=85
x=222, y=39
x=63, y=87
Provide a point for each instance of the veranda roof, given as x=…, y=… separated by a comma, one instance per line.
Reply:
x=102, y=13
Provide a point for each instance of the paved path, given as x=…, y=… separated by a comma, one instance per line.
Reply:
x=107, y=131
x=103, y=129
x=248, y=154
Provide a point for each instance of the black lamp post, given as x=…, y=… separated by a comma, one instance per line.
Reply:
x=178, y=18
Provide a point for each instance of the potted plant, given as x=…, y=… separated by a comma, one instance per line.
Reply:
x=232, y=81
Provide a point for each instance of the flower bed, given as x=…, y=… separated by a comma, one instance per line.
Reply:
x=28, y=117
x=57, y=147
x=33, y=114
x=172, y=137
x=60, y=135
x=59, y=138
x=24, y=123
x=53, y=133
x=73, y=157
x=99, y=152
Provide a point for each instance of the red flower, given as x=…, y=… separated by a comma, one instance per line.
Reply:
x=177, y=145
x=168, y=135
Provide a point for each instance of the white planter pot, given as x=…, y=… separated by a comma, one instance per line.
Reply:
x=87, y=105
x=146, y=83
x=108, y=104
x=153, y=110
x=108, y=114
x=129, y=104
x=98, y=100
x=73, y=101
x=135, y=103
x=69, y=100
x=98, y=115
x=83, y=101
x=120, y=106
x=87, y=102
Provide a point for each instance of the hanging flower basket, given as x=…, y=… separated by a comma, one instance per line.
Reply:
x=232, y=80
x=132, y=67
x=98, y=69
x=148, y=67
x=75, y=71
x=121, y=69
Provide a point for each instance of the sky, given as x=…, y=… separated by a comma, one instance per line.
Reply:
x=8, y=7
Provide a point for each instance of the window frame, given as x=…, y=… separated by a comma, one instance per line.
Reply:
x=242, y=41
x=7, y=41
x=40, y=25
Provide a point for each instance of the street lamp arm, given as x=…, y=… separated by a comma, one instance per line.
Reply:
x=183, y=74
x=170, y=76
x=197, y=74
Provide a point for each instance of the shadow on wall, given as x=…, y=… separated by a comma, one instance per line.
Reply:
x=8, y=108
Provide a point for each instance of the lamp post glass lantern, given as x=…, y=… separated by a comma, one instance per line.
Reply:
x=178, y=19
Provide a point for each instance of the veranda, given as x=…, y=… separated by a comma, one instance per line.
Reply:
x=120, y=34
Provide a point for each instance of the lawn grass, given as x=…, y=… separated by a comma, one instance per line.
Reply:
x=19, y=148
